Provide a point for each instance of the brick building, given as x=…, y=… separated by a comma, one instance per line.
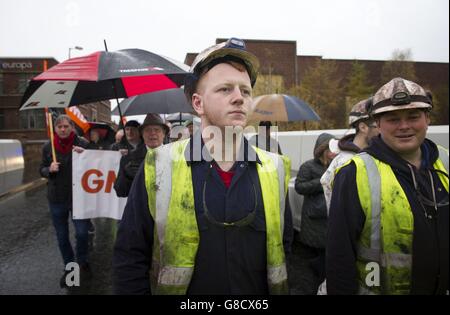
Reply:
x=282, y=68
x=15, y=73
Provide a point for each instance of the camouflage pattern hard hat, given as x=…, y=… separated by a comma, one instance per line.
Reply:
x=400, y=94
x=359, y=112
x=232, y=49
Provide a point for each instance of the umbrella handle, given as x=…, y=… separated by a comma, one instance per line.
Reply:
x=129, y=147
x=50, y=125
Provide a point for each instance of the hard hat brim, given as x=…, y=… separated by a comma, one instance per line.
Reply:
x=390, y=108
x=250, y=60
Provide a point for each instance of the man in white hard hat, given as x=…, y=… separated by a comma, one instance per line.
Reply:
x=348, y=146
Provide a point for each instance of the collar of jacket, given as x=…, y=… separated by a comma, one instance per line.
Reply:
x=380, y=150
x=346, y=144
x=250, y=154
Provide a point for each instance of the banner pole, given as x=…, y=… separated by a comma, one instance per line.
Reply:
x=50, y=125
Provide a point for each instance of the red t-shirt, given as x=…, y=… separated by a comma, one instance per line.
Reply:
x=226, y=176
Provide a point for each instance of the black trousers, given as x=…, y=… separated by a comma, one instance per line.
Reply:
x=312, y=268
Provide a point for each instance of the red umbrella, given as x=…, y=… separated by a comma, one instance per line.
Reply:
x=101, y=76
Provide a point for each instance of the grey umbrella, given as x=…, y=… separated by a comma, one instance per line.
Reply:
x=162, y=102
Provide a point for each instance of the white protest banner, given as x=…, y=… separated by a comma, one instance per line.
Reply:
x=93, y=176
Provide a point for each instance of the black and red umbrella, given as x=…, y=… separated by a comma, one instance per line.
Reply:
x=101, y=76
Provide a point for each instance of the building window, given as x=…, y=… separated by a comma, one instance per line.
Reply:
x=1, y=83
x=2, y=119
x=32, y=119
x=23, y=81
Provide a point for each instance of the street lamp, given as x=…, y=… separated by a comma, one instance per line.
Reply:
x=76, y=47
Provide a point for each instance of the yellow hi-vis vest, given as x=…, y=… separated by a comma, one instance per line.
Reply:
x=385, y=244
x=168, y=181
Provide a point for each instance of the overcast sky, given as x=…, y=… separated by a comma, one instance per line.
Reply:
x=337, y=29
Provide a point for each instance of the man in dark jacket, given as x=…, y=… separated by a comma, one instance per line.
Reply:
x=211, y=225
x=389, y=223
x=59, y=174
x=313, y=226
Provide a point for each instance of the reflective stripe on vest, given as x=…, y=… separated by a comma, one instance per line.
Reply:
x=443, y=156
x=442, y=164
x=172, y=266
x=272, y=172
x=169, y=186
x=375, y=202
x=387, y=237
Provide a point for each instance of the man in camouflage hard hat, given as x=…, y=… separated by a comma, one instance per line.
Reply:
x=389, y=223
x=204, y=222
x=349, y=145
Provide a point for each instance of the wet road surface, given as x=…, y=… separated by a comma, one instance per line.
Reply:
x=30, y=262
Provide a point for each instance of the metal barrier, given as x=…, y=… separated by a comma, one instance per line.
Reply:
x=11, y=164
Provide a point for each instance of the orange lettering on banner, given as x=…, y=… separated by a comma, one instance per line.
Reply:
x=99, y=182
x=110, y=181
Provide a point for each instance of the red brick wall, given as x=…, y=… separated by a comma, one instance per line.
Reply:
x=14, y=69
x=24, y=134
x=281, y=57
x=103, y=111
x=277, y=57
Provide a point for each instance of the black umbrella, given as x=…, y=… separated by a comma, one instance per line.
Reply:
x=162, y=102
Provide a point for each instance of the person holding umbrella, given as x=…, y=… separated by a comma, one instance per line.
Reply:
x=153, y=131
x=58, y=170
x=200, y=221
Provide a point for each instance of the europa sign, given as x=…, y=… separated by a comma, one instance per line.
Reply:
x=16, y=65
